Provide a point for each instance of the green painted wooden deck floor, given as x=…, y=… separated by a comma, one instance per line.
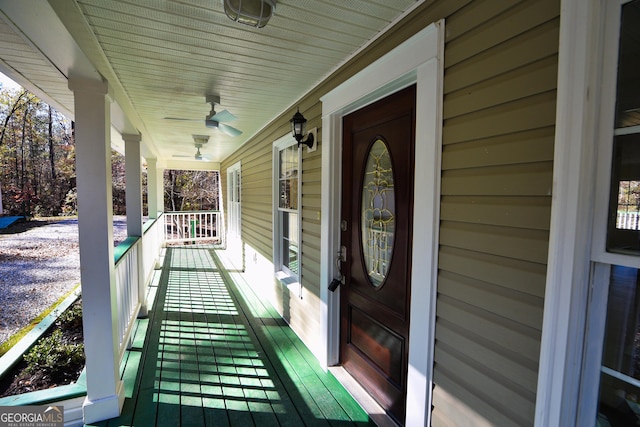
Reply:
x=212, y=353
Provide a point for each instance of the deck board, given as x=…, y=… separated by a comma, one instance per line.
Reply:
x=215, y=354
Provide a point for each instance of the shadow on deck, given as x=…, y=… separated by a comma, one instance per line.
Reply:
x=212, y=353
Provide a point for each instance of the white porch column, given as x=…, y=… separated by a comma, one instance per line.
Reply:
x=152, y=196
x=133, y=177
x=154, y=180
x=160, y=189
x=105, y=391
x=133, y=200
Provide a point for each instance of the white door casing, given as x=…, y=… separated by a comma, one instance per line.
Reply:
x=419, y=60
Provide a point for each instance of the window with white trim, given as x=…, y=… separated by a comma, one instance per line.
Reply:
x=615, y=281
x=286, y=242
x=233, y=202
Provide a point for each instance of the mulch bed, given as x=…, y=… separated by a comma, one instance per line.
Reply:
x=20, y=381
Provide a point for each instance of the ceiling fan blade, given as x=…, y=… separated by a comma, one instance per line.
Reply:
x=202, y=157
x=223, y=116
x=180, y=119
x=229, y=130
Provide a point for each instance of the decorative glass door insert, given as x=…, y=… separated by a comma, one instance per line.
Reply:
x=378, y=213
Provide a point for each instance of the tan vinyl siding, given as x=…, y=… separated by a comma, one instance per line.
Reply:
x=256, y=190
x=522, y=212
x=308, y=326
x=498, y=130
x=515, y=148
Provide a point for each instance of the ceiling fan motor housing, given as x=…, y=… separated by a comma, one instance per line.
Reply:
x=212, y=124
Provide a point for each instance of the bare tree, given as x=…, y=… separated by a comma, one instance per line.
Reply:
x=11, y=112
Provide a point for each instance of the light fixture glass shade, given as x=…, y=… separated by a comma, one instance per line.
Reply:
x=298, y=126
x=255, y=13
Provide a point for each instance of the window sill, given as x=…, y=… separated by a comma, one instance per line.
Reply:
x=290, y=281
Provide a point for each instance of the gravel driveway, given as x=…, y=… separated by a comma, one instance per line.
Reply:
x=37, y=267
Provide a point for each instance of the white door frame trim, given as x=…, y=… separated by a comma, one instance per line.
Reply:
x=419, y=60
x=231, y=170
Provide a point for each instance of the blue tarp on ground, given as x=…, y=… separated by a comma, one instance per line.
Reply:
x=6, y=221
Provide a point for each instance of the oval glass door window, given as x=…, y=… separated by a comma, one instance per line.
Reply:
x=378, y=213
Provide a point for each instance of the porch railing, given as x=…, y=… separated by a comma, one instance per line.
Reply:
x=193, y=226
x=152, y=241
x=135, y=260
x=628, y=221
x=127, y=277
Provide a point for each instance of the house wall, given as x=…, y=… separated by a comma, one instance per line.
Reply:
x=257, y=229
x=498, y=128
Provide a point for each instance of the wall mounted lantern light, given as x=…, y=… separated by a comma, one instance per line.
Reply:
x=299, y=130
x=255, y=13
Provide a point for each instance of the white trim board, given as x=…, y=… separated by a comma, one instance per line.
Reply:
x=569, y=265
x=233, y=230
x=419, y=60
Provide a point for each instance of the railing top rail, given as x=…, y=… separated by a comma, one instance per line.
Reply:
x=191, y=212
x=124, y=247
x=147, y=225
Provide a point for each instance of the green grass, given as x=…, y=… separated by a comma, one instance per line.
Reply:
x=15, y=338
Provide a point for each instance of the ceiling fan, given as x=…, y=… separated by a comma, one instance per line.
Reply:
x=215, y=120
x=199, y=141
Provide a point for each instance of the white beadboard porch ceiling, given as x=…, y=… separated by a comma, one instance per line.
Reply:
x=161, y=57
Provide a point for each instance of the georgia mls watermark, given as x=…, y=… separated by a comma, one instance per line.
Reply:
x=31, y=416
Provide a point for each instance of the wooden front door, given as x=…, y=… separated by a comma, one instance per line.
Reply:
x=377, y=211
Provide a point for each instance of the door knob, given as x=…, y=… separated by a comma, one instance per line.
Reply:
x=335, y=283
